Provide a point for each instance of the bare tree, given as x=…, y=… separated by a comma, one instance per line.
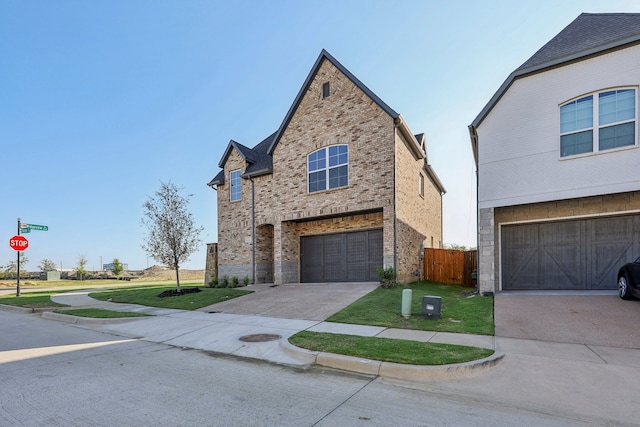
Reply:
x=80, y=269
x=47, y=265
x=171, y=233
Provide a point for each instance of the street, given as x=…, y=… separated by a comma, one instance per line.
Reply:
x=58, y=374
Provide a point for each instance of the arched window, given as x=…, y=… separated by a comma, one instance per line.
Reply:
x=607, y=118
x=328, y=168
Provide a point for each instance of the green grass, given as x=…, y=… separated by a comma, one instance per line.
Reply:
x=31, y=300
x=149, y=296
x=99, y=313
x=388, y=349
x=461, y=313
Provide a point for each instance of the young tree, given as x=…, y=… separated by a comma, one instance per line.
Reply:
x=171, y=233
x=12, y=267
x=80, y=269
x=117, y=267
x=47, y=265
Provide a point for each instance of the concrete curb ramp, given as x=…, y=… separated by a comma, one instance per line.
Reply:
x=393, y=370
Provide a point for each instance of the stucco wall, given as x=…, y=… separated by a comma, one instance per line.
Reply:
x=519, y=141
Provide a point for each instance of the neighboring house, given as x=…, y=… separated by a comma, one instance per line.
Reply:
x=558, y=162
x=341, y=188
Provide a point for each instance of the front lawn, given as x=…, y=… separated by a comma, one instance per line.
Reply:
x=388, y=349
x=462, y=312
x=32, y=300
x=148, y=296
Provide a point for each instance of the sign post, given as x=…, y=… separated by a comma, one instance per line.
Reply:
x=20, y=243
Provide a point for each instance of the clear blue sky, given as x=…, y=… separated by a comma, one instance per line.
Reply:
x=100, y=101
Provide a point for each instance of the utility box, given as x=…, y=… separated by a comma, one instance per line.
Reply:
x=50, y=275
x=431, y=307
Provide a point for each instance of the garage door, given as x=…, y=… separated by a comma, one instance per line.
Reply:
x=568, y=255
x=344, y=257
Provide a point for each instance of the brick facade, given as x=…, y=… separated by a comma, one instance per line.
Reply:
x=382, y=189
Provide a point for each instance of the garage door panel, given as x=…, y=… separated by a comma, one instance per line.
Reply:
x=571, y=255
x=561, y=267
x=520, y=269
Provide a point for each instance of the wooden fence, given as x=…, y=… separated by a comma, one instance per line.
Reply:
x=450, y=266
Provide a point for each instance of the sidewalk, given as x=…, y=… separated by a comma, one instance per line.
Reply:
x=222, y=333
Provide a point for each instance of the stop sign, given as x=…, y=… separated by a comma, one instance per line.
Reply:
x=19, y=243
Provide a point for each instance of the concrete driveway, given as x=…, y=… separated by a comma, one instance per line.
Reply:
x=308, y=301
x=597, y=318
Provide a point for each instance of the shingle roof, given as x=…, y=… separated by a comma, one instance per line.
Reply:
x=259, y=158
x=588, y=35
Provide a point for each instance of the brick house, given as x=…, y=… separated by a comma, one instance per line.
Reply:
x=558, y=159
x=341, y=188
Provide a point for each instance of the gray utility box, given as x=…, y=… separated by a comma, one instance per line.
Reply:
x=431, y=307
x=50, y=275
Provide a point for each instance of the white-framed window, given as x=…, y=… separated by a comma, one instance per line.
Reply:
x=597, y=122
x=328, y=168
x=235, y=188
x=421, y=184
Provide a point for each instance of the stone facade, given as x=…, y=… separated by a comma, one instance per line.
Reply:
x=211, y=264
x=382, y=190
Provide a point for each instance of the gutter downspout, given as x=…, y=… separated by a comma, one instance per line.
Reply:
x=253, y=232
x=397, y=124
x=473, y=134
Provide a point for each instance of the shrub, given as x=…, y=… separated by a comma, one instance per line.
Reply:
x=235, y=281
x=245, y=280
x=387, y=277
x=225, y=281
x=213, y=283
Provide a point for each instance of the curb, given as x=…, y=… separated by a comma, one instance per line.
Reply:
x=16, y=309
x=78, y=320
x=393, y=370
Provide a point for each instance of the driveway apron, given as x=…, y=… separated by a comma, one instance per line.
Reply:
x=601, y=319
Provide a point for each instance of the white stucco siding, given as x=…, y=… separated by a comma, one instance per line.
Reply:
x=519, y=141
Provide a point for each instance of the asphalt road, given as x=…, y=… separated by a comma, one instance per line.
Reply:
x=56, y=374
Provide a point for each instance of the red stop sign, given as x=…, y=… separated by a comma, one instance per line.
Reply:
x=19, y=243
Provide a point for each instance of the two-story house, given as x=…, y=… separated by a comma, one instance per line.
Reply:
x=341, y=188
x=558, y=162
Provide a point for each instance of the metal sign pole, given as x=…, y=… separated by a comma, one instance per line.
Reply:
x=18, y=279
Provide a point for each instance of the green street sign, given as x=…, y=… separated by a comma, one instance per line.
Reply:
x=35, y=227
x=25, y=230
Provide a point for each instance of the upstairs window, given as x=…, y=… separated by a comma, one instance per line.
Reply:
x=328, y=168
x=326, y=90
x=421, y=184
x=598, y=122
x=236, y=186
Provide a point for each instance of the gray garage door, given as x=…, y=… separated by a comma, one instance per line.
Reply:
x=568, y=255
x=344, y=257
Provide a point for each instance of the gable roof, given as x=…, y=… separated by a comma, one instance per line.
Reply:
x=590, y=34
x=324, y=55
x=259, y=158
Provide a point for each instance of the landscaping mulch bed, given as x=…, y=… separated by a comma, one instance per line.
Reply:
x=176, y=293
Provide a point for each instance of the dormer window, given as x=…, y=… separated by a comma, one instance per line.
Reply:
x=326, y=90
x=328, y=168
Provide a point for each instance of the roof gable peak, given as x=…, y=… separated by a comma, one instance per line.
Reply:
x=324, y=55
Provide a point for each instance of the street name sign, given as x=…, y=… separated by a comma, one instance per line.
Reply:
x=34, y=227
